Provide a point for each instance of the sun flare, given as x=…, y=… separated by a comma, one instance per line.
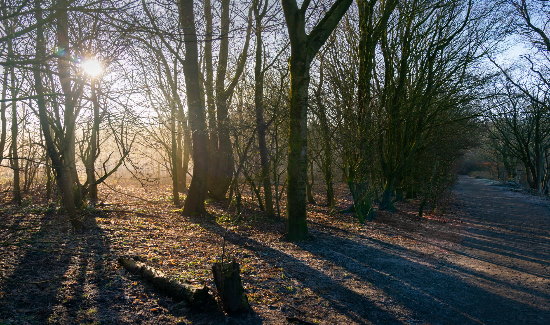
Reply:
x=92, y=67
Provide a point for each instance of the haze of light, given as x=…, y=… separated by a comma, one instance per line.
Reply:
x=92, y=67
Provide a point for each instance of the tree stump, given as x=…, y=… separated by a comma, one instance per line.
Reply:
x=227, y=277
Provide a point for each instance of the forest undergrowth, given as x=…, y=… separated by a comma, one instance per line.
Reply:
x=50, y=274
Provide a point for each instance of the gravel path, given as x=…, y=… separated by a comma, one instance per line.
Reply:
x=488, y=265
x=505, y=252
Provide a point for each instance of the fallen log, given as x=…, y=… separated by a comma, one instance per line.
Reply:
x=227, y=278
x=194, y=295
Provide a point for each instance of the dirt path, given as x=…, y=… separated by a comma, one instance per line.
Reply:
x=489, y=267
x=506, y=247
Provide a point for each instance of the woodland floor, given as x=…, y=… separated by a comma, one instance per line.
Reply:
x=485, y=261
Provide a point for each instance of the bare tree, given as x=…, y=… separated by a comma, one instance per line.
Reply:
x=221, y=153
x=260, y=11
x=303, y=47
x=194, y=202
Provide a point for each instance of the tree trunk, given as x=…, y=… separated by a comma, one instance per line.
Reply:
x=14, y=131
x=261, y=126
x=303, y=48
x=62, y=172
x=209, y=86
x=65, y=184
x=297, y=156
x=186, y=152
x=194, y=202
x=386, y=202
x=70, y=97
x=326, y=164
x=181, y=185
x=221, y=153
x=94, y=141
x=48, y=179
x=370, y=31
x=3, y=120
x=223, y=162
x=174, y=157
x=14, y=153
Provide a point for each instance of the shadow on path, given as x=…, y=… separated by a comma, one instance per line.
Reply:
x=496, y=275
x=433, y=292
x=60, y=278
x=345, y=301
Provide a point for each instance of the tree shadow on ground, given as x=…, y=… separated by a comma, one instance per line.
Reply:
x=60, y=277
x=423, y=288
x=342, y=299
x=514, y=227
x=469, y=272
x=431, y=292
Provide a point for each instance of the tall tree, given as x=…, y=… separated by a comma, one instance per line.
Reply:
x=427, y=57
x=3, y=119
x=56, y=152
x=260, y=10
x=303, y=48
x=221, y=152
x=58, y=113
x=14, y=154
x=166, y=58
x=71, y=94
x=320, y=112
x=194, y=202
x=371, y=27
x=4, y=99
x=14, y=160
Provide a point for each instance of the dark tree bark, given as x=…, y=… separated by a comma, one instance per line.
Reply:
x=174, y=156
x=70, y=98
x=94, y=147
x=14, y=161
x=371, y=28
x=14, y=155
x=194, y=202
x=184, y=148
x=222, y=162
x=260, y=8
x=209, y=82
x=3, y=108
x=326, y=160
x=62, y=173
x=303, y=48
x=186, y=151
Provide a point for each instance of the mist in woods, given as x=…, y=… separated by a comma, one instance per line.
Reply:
x=274, y=161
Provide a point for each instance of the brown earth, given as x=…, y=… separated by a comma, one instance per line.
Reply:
x=484, y=261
